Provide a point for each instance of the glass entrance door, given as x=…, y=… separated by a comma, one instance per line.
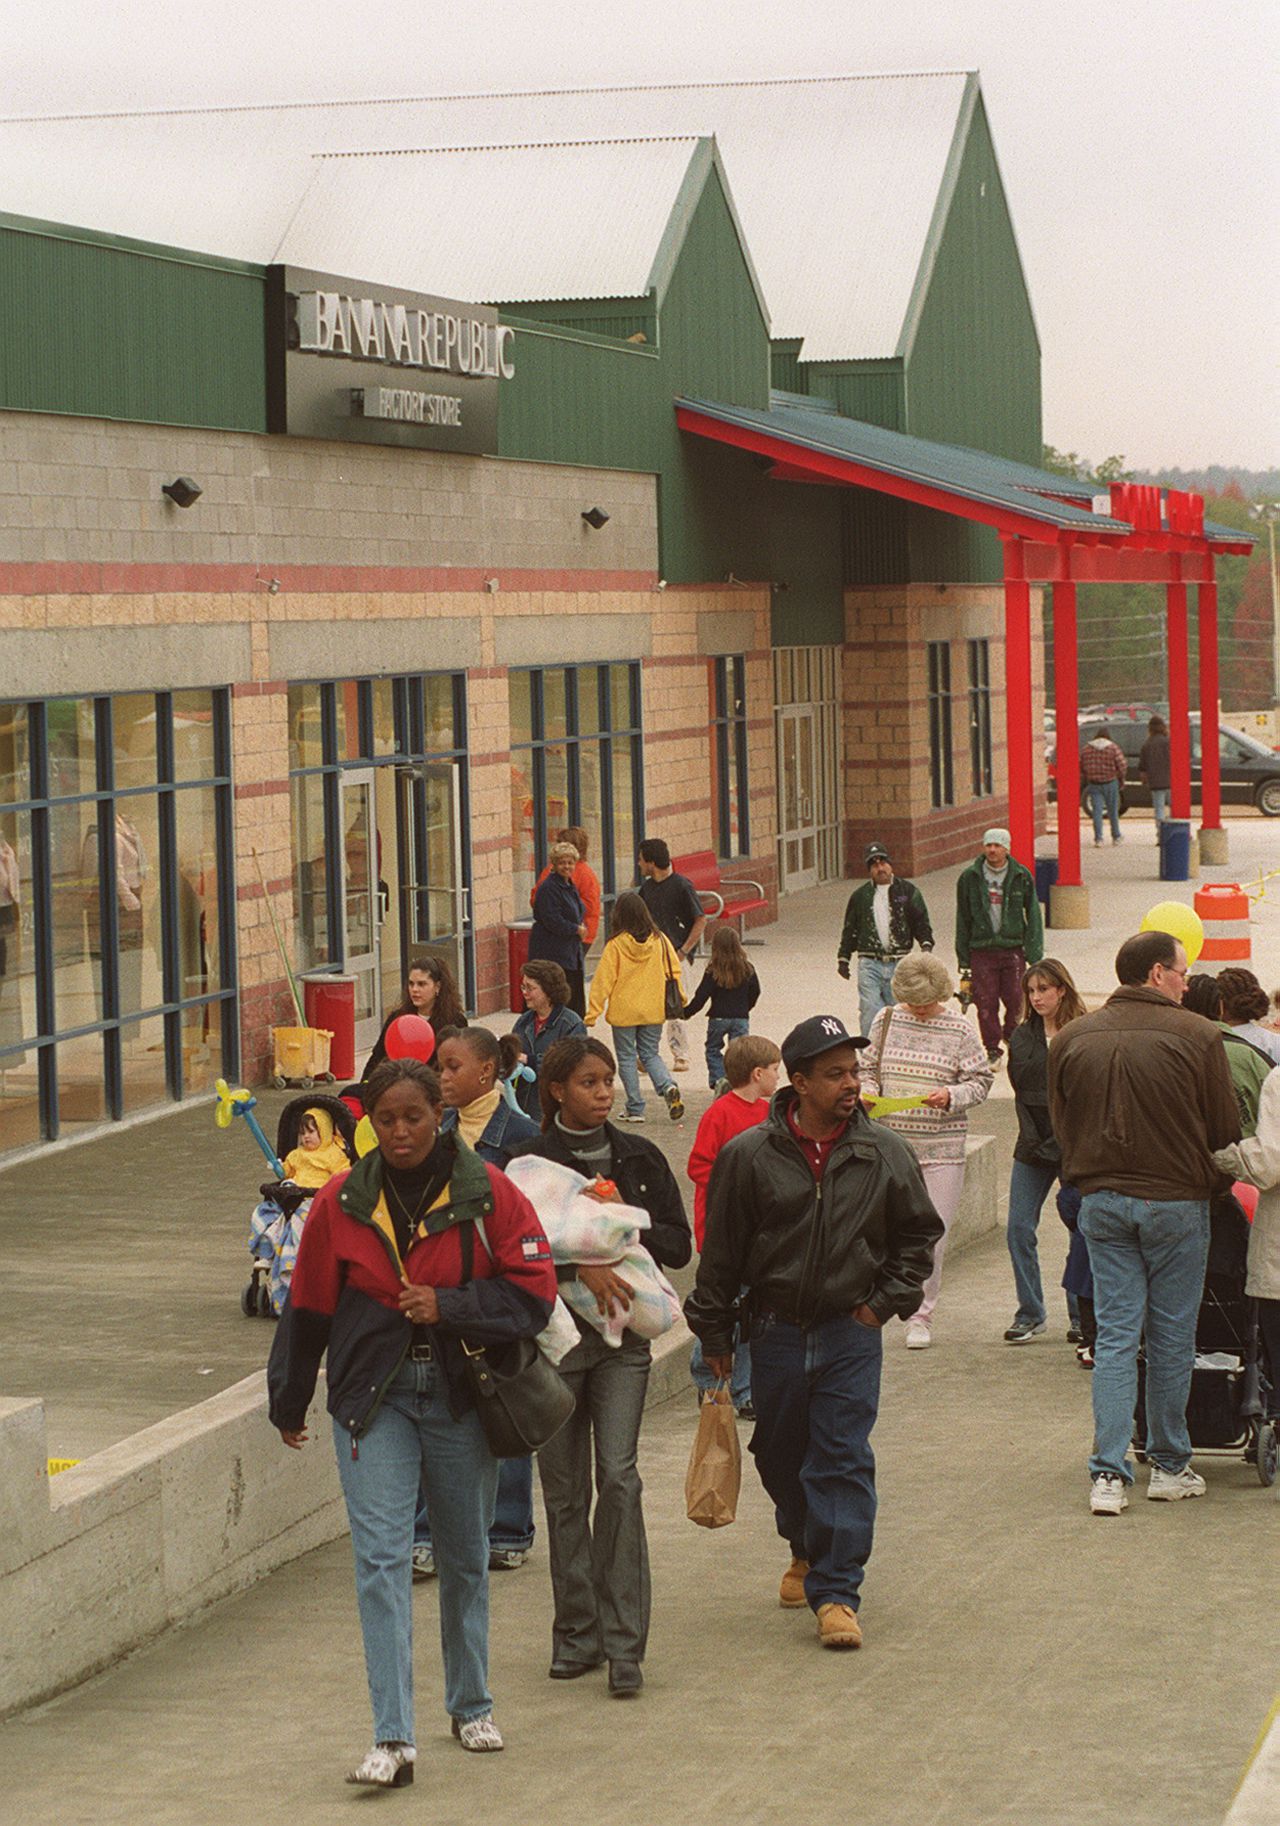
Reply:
x=360, y=900
x=436, y=901
x=797, y=776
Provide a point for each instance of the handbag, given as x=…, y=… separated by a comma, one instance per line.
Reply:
x=673, y=995
x=522, y=1401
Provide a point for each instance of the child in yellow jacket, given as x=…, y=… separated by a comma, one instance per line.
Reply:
x=630, y=989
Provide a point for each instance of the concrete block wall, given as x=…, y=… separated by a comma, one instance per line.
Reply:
x=886, y=722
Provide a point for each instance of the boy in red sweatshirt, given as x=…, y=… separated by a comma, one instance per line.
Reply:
x=751, y=1064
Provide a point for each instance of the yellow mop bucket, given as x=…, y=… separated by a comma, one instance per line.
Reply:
x=301, y=1054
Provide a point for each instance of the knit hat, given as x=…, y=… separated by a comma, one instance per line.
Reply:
x=997, y=835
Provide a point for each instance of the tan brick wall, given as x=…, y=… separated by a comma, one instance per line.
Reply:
x=886, y=721
x=88, y=490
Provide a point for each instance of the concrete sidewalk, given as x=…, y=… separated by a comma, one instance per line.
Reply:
x=1023, y=1662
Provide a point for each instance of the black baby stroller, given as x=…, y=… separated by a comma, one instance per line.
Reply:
x=1230, y=1407
x=275, y=1228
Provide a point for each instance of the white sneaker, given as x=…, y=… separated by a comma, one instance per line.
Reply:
x=1169, y=1486
x=1108, y=1495
x=478, y=1733
x=918, y=1336
x=385, y=1766
x=627, y=1116
x=507, y=1559
x=424, y=1564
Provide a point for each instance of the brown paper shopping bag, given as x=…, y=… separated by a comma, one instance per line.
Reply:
x=714, y=1477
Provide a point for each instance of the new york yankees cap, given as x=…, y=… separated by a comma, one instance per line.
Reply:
x=815, y=1036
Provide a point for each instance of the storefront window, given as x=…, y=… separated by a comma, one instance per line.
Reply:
x=194, y=748
x=88, y=891
x=384, y=717
x=441, y=734
x=554, y=713
x=347, y=698
x=520, y=698
x=310, y=872
x=306, y=737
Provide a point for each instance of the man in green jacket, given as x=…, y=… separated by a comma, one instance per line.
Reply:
x=999, y=931
x=885, y=917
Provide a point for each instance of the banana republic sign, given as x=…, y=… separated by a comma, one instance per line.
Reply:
x=379, y=366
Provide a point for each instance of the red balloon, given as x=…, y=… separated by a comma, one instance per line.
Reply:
x=410, y=1037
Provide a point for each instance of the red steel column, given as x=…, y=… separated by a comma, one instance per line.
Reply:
x=1179, y=703
x=1210, y=768
x=1017, y=699
x=1066, y=704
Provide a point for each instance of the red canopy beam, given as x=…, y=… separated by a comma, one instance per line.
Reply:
x=1017, y=700
x=1210, y=760
x=1179, y=703
x=1066, y=704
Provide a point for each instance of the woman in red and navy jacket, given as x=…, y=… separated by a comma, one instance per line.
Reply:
x=420, y=1245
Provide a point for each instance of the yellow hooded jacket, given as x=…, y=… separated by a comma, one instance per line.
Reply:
x=315, y=1167
x=630, y=983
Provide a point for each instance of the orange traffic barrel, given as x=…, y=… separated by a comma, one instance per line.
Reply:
x=1223, y=907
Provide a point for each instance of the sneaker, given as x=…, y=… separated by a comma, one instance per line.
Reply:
x=632, y=1116
x=1022, y=1331
x=478, y=1733
x=1074, y=1335
x=424, y=1564
x=1117, y=838
x=1097, y=843
x=838, y=1626
x=746, y=1411
x=1084, y=1355
x=791, y=1591
x=679, y=1065
x=507, y=1559
x=385, y=1766
x=994, y=1055
x=1108, y=1496
x=1170, y=1486
x=918, y=1336
x=674, y=1102
x=721, y=1087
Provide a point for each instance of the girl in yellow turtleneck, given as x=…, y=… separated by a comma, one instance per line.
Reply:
x=319, y=1153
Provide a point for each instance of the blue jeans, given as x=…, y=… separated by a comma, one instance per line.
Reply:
x=1148, y=1262
x=636, y=1047
x=875, y=987
x=1029, y=1186
x=1105, y=795
x=414, y=1437
x=817, y=1394
x=721, y=1029
x=740, y=1376
x=1159, y=805
x=512, y=1524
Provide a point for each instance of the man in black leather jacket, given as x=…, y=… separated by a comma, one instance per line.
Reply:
x=821, y=1215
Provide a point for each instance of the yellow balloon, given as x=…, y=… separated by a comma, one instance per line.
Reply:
x=366, y=1137
x=1182, y=923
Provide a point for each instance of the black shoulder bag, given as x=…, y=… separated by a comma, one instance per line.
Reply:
x=521, y=1398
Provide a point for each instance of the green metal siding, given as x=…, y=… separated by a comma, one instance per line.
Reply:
x=128, y=332
x=577, y=399
x=973, y=367
x=872, y=391
x=618, y=318
x=806, y=556
x=786, y=374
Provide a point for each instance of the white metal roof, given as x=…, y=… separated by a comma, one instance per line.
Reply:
x=494, y=223
x=836, y=179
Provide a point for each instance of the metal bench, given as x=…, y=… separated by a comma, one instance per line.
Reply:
x=723, y=891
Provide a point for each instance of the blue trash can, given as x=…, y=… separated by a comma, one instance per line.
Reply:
x=1175, y=849
x=1046, y=878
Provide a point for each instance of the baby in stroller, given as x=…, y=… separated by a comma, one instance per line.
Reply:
x=315, y=1140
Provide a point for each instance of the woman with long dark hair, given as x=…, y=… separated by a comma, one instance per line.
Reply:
x=429, y=991
x=600, y=1561
x=394, y=1270
x=1049, y=1000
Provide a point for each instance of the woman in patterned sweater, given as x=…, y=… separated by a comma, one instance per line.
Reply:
x=921, y=1048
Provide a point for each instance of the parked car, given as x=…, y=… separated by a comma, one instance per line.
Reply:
x=1250, y=771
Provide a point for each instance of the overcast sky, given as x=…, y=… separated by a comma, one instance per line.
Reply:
x=1137, y=141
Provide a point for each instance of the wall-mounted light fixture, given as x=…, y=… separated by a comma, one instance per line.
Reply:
x=273, y=586
x=182, y=492
x=595, y=517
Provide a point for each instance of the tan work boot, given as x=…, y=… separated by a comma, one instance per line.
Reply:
x=791, y=1591
x=838, y=1627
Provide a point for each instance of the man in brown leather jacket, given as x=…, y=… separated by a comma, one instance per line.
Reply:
x=1140, y=1096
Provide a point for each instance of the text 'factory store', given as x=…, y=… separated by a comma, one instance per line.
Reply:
x=440, y=498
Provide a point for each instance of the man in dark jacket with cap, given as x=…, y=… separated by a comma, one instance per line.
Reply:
x=885, y=917
x=821, y=1215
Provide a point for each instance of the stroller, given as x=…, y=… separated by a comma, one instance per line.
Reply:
x=275, y=1229
x=1231, y=1404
